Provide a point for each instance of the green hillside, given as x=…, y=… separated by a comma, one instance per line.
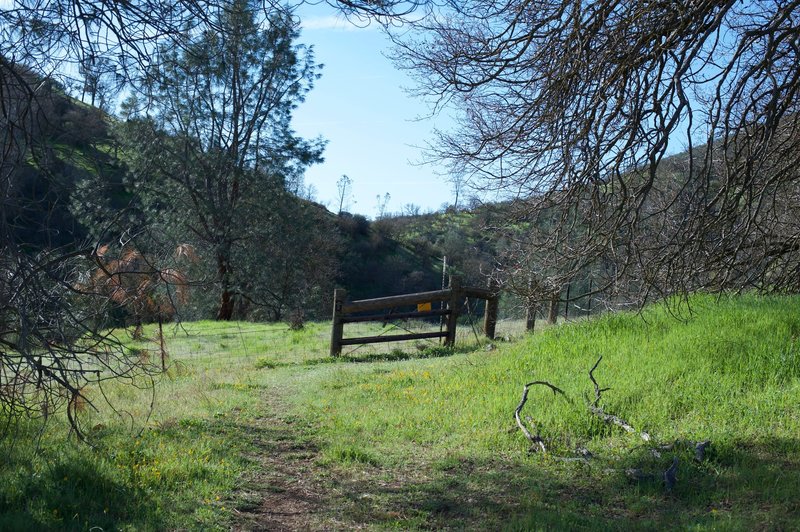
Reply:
x=74, y=186
x=405, y=253
x=259, y=428
x=67, y=173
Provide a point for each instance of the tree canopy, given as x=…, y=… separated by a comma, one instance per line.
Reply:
x=54, y=324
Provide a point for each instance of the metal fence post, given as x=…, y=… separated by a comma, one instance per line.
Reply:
x=453, y=304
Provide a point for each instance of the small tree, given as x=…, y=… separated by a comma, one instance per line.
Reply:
x=382, y=202
x=345, y=187
x=142, y=290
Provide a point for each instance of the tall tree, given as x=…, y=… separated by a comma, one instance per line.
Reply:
x=42, y=307
x=210, y=140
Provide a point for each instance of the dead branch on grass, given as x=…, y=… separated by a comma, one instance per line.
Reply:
x=534, y=439
x=669, y=476
x=597, y=410
x=700, y=450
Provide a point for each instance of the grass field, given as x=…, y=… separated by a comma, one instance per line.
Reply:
x=255, y=427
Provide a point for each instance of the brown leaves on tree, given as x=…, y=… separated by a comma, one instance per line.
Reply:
x=134, y=282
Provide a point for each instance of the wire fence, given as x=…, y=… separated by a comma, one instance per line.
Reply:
x=266, y=345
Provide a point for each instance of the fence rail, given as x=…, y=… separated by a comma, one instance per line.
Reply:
x=348, y=312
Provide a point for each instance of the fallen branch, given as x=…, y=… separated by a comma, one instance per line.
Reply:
x=668, y=476
x=534, y=439
x=597, y=390
x=700, y=450
x=698, y=447
x=597, y=410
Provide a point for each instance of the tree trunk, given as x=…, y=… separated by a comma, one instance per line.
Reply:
x=530, y=316
x=227, y=297
x=225, y=312
x=552, y=314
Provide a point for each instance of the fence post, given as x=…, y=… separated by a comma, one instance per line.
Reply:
x=161, y=343
x=590, y=298
x=490, y=313
x=337, y=328
x=453, y=303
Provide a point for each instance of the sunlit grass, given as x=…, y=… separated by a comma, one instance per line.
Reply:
x=418, y=436
x=728, y=374
x=168, y=452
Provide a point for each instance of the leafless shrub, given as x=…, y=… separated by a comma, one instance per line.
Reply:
x=57, y=344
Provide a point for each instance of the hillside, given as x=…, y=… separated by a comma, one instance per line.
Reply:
x=73, y=187
x=257, y=428
x=57, y=169
x=405, y=253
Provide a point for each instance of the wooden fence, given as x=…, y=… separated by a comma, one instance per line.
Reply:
x=369, y=310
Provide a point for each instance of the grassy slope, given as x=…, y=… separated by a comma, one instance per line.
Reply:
x=431, y=442
x=731, y=375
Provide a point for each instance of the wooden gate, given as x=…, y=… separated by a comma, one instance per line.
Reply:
x=366, y=310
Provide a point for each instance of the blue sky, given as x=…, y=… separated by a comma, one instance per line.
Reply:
x=360, y=106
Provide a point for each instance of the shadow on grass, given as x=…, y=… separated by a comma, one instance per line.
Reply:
x=72, y=492
x=394, y=355
x=739, y=487
x=398, y=354
x=149, y=482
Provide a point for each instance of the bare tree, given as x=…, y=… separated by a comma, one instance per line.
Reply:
x=411, y=209
x=57, y=339
x=381, y=204
x=457, y=181
x=345, y=188
x=573, y=109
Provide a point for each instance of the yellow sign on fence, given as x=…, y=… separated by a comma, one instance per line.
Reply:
x=423, y=307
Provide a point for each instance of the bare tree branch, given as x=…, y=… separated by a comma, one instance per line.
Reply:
x=597, y=410
x=534, y=439
x=651, y=147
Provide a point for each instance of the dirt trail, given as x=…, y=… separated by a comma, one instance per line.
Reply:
x=291, y=490
x=285, y=493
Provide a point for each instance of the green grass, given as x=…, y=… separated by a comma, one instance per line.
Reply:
x=729, y=374
x=425, y=437
x=172, y=475
x=176, y=458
